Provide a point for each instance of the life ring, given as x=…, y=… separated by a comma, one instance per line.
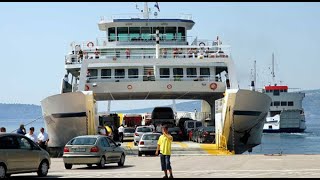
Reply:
x=213, y=86
x=90, y=43
x=87, y=88
x=169, y=86
x=202, y=43
x=114, y=58
x=129, y=86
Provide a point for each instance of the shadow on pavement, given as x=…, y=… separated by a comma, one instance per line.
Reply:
x=33, y=176
x=106, y=167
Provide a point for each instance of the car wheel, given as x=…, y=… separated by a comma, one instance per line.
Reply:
x=122, y=159
x=89, y=165
x=102, y=162
x=139, y=153
x=68, y=166
x=2, y=171
x=43, y=169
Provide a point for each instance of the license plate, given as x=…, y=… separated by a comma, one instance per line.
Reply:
x=211, y=133
x=173, y=133
x=79, y=149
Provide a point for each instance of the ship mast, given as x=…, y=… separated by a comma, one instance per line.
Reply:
x=146, y=11
x=273, y=75
x=254, y=76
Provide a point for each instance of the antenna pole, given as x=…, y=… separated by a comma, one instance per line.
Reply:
x=273, y=68
x=146, y=11
x=255, y=71
x=254, y=77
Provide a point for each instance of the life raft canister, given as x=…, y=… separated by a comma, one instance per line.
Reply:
x=90, y=43
x=202, y=43
x=213, y=86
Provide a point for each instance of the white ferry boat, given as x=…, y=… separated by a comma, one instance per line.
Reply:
x=143, y=58
x=286, y=113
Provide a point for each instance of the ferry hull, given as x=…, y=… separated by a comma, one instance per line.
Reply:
x=66, y=116
x=244, y=119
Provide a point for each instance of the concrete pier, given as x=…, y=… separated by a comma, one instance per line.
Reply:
x=196, y=166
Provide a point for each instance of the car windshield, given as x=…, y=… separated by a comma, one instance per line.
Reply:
x=174, y=129
x=198, y=124
x=144, y=129
x=150, y=136
x=83, y=141
x=190, y=125
x=210, y=128
x=128, y=130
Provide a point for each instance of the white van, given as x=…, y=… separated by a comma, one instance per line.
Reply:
x=192, y=124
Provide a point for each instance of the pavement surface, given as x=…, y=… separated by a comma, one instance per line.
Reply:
x=195, y=166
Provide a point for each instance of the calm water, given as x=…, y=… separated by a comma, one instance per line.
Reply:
x=272, y=143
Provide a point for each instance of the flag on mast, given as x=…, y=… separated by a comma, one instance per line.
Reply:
x=157, y=6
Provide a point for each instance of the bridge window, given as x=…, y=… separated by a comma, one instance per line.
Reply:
x=276, y=93
x=191, y=72
x=122, y=33
x=290, y=103
x=112, y=34
x=134, y=33
x=276, y=103
x=133, y=73
x=170, y=33
x=178, y=72
x=93, y=73
x=284, y=103
x=146, y=33
x=204, y=72
x=105, y=73
x=271, y=104
x=119, y=73
x=164, y=72
x=181, y=34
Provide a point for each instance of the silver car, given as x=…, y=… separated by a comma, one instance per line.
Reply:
x=19, y=154
x=128, y=133
x=148, y=143
x=140, y=130
x=92, y=149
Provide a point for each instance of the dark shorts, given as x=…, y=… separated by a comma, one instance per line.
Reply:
x=165, y=162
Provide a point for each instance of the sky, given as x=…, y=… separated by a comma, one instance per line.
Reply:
x=35, y=37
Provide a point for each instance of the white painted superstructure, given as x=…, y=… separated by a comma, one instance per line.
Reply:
x=145, y=59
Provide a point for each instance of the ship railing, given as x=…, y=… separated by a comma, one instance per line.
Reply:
x=130, y=78
x=186, y=16
x=142, y=53
x=114, y=56
x=147, y=39
x=297, y=90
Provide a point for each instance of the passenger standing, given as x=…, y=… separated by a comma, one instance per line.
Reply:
x=120, y=130
x=3, y=130
x=32, y=136
x=127, y=53
x=164, y=145
x=43, y=139
x=80, y=53
x=97, y=53
x=21, y=130
x=164, y=53
x=65, y=79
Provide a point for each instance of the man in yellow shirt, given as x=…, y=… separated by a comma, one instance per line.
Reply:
x=164, y=145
